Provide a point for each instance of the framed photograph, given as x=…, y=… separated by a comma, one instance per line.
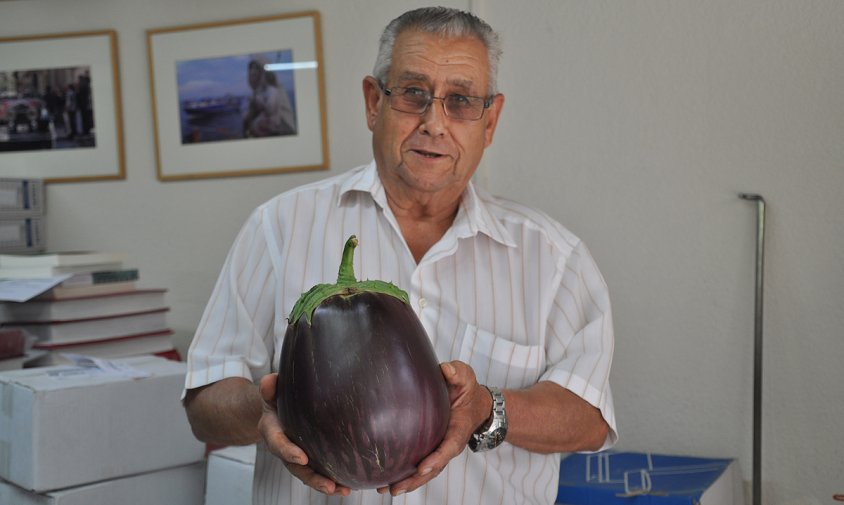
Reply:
x=60, y=116
x=241, y=97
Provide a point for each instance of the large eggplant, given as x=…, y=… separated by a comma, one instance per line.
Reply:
x=359, y=386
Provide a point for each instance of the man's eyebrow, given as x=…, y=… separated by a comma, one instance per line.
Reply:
x=412, y=76
x=457, y=82
x=463, y=84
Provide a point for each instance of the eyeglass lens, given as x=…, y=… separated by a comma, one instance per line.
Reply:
x=455, y=106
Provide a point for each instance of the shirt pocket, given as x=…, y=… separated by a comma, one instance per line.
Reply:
x=500, y=362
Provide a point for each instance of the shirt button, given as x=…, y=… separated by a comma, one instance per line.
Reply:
x=422, y=303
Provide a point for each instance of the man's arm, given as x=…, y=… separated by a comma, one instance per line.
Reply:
x=226, y=412
x=576, y=426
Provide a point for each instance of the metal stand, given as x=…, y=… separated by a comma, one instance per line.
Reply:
x=757, y=352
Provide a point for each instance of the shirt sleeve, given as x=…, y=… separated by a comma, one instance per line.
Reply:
x=580, y=336
x=235, y=334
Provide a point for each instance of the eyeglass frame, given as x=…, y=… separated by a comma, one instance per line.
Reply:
x=488, y=100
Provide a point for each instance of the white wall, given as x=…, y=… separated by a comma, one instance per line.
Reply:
x=634, y=123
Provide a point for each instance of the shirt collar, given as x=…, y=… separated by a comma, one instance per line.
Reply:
x=473, y=217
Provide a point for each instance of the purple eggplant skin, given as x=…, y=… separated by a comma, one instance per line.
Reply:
x=360, y=390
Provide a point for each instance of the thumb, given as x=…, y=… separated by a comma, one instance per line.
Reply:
x=268, y=387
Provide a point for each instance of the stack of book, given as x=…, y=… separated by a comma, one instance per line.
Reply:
x=96, y=310
x=21, y=215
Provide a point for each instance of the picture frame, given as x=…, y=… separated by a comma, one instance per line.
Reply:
x=60, y=107
x=239, y=97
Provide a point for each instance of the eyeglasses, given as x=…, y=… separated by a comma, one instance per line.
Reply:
x=417, y=101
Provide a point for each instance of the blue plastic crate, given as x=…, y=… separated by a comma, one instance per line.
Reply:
x=634, y=478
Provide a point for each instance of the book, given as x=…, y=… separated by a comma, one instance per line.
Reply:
x=96, y=328
x=70, y=291
x=44, y=271
x=100, y=277
x=46, y=308
x=12, y=343
x=157, y=342
x=59, y=259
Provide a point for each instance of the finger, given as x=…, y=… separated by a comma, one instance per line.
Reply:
x=433, y=464
x=278, y=443
x=459, y=370
x=268, y=387
x=448, y=370
x=413, y=482
x=452, y=445
x=319, y=482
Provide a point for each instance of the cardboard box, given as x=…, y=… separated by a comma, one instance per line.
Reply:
x=230, y=472
x=644, y=478
x=182, y=485
x=65, y=426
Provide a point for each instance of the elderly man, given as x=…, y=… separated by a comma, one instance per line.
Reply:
x=514, y=304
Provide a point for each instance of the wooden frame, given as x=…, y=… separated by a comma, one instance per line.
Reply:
x=69, y=136
x=217, y=115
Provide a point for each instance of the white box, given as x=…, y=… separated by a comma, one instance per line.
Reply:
x=230, y=472
x=22, y=235
x=65, y=426
x=21, y=197
x=182, y=485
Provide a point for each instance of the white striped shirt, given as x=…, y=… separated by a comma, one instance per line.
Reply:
x=507, y=290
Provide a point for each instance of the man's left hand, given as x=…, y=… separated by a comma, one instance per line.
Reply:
x=471, y=405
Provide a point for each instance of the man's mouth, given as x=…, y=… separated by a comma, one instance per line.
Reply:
x=427, y=154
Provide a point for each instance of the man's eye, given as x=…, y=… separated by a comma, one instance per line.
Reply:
x=415, y=93
x=459, y=100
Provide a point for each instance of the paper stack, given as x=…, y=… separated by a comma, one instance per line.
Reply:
x=95, y=309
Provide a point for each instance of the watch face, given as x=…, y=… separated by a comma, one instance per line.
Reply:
x=497, y=436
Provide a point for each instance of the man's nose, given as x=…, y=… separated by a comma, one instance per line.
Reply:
x=434, y=118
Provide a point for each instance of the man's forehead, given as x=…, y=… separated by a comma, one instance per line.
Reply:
x=422, y=56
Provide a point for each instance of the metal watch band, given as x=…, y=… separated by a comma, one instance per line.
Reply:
x=491, y=434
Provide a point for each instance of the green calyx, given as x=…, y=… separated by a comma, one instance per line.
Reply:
x=346, y=286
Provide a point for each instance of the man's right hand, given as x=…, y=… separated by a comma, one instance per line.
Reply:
x=291, y=454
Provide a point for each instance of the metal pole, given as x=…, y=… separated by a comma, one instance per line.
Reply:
x=757, y=346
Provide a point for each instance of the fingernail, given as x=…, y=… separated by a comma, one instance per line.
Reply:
x=425, y=471
x=451, y=368
x=323, y=489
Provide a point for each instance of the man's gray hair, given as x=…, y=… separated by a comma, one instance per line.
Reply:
x=443, y=21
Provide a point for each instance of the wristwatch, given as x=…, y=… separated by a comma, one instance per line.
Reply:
x=492, y=432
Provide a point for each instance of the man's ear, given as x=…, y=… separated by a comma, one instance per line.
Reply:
x=372, y=97
x=492, y=115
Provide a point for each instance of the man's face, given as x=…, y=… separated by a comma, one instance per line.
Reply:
x=431, y=153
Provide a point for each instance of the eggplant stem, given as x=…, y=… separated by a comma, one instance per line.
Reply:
x=346, y=286
x=346, y=274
